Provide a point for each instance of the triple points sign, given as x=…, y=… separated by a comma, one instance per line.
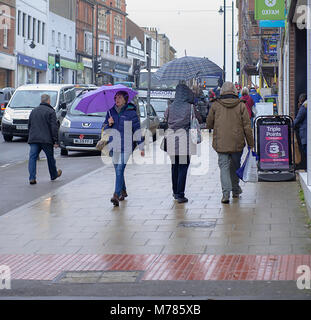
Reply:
x=270, y=10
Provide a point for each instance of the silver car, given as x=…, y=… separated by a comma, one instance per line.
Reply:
x=148, y=118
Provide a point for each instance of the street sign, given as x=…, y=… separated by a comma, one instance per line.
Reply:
x=274, y=146
x=269, y=9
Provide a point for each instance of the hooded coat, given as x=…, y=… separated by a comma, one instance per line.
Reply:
x=301, y=122
x=178, y=118
x=231, y=123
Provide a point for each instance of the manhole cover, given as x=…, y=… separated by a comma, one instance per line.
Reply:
x=89, y=277
x=197, y=224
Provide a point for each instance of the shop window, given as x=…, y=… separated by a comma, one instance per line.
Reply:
x=5, y=35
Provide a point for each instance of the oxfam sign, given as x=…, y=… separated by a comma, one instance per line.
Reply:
x=270, y=10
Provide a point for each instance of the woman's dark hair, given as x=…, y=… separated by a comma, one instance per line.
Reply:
x=124, y=94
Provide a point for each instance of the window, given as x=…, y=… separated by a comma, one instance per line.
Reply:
x=121, y=51
x=29, y=27
x=5, y=35
x=34, y=21
x=88, y=42
x=43, y=32
x=59, y=40
x=102, y=20
x=39, y=31
x=118, y=26
x=70, y=44
x=118, y=4
x=65, y=42
x=103, y=46
x=117, y=51
x=24, y=25
x=19, y=22
x=53, y=38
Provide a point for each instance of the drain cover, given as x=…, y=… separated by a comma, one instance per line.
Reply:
x=89, y=277
x=197, y=224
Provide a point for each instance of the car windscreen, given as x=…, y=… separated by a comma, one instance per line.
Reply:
x=31, y=98
x=73, y=111
x=159, y=105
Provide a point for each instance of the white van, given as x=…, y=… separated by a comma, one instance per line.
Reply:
x=25, y=99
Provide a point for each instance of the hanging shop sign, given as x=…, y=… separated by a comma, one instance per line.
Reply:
x=269, y=9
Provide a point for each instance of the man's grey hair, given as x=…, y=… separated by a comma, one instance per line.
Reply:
x=45, y=98
x=228, y=88
x=245, y=91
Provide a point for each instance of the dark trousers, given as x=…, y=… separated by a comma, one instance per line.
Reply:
x=180, y=165
x=35, y=149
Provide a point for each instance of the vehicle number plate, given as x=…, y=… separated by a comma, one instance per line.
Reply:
x=83, y=141
x=22, y=127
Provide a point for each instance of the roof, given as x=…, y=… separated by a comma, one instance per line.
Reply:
x=44, y=86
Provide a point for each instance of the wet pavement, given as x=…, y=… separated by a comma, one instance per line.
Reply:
x=77, y=223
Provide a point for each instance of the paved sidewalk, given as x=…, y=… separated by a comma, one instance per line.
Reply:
x=78, y=218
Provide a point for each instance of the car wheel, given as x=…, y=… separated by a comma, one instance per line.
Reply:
x=7, y=138
x=64, y=152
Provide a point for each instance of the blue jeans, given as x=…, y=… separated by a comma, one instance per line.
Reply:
x=35, y=149
x=229, y=163
x=119, y=163
x=180, y=165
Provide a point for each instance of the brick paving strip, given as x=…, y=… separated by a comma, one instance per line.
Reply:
x=161, y=267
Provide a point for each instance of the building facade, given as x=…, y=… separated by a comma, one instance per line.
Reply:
x=62, y=40
x=7, y=44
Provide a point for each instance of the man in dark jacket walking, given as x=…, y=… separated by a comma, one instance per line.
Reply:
x=43, y=135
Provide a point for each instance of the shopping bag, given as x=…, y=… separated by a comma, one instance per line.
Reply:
x=195, y=128
x=249, y=170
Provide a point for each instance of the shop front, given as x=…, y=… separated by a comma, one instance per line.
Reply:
x=85, y=76
x=68, y=71
x=7, y=70
x=30, y=70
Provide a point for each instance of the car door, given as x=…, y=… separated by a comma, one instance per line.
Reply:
x=154, y=120
x=144, y=121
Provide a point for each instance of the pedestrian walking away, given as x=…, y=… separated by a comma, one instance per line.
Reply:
x=301, y=123
x=122, y=116
x=249, y=102
x=43, y=135
x=179, y=145
x=231, y=123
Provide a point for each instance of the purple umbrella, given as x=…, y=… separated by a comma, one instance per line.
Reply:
x=102, y=99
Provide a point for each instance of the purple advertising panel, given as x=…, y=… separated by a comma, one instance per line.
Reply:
x=274, y=151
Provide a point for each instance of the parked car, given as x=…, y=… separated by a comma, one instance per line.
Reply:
x=25, y=99
x=160, y=106
x=148, y=118
x=79, y=131
x=5, y=96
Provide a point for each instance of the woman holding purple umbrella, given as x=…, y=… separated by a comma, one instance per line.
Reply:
x=124, y=119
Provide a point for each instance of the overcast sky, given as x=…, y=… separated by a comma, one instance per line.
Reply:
x=191, y=25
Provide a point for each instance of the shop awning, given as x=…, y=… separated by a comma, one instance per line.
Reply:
x=117, y=75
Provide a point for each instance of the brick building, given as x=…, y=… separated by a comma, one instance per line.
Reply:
x=7, y=43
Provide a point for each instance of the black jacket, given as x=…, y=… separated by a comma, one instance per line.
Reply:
x=42, y=125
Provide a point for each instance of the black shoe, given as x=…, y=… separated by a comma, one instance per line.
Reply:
x=32, y=181
x=225, y=199
x=182, y=200
x=115, y=200
x=175, y=196
x=123, y=195
x=59, y=173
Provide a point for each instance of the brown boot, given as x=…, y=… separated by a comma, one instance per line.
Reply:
x=123, y=195
x=115, y=200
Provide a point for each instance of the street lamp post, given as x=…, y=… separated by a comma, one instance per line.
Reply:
x=221, y=11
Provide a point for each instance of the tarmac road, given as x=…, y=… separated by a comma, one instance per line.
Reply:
x=14, y=187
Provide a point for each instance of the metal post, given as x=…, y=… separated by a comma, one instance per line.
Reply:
x=224, y=41
x=96, y=45
x=309, y=95
x=232, y=41
x=93, y=64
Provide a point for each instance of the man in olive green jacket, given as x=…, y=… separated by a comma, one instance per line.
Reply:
x=230, y=120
